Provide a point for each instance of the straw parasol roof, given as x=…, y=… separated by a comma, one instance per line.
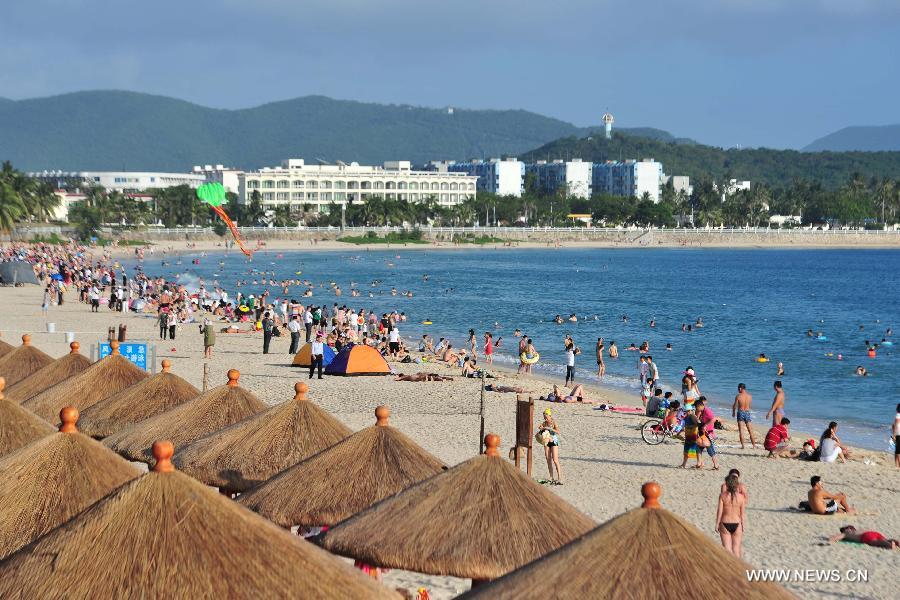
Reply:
x=22, y=362
x=250, y=452
x=645, y=554
x=211, y=411
x=368, y=466
x=143, y=400
x=53, y=479
x=19, y=426
x=107, y=376
x=60, y=369
x=479, y=520
x=166, y=535
x=5, y=348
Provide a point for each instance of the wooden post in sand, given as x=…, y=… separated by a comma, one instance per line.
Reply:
x=524, y=428
x=205, y=376
x=481, y=414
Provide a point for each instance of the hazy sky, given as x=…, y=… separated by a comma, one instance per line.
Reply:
x=777, y=73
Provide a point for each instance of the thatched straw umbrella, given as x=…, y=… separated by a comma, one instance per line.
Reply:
x=368, y=466
x=479, y=520
x=22, y=362
x=645, y=554
x=107, y=376
x=211, y=411
x=250, y=452
x=53, y=479
x=60, y=369
x=19, y=426
x=145, y=399
x=166, y=535
x=5, y=348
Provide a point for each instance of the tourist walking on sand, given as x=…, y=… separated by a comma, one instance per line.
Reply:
x=163, y=324
x=777, y=409
x=489, y=347
x=601, y=366
x=209, y=338
x=268, y=324
x=707, y=429
x=317, y=356
x=691, y=429
x=551, y=449
x=172, y=322
x=473, y=343
x=741, y=410
x=294, y=329
x=730, y=515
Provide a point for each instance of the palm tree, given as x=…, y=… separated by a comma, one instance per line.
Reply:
x=45, y=201
x=11, y=206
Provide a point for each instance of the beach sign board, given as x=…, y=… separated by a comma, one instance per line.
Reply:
x=136, y=352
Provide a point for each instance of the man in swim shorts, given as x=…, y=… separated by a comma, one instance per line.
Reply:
x=896, y=431
x=741, y=409
x=777, y=409
x=822, y=502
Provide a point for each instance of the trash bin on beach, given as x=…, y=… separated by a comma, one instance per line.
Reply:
x=70, y=337
x=51, y=327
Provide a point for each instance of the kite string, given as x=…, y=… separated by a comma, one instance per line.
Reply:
x=237, y=236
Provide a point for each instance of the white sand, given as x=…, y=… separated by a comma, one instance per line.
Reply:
x=604, y=460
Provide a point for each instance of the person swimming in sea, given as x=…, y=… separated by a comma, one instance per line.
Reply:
x=861, y=371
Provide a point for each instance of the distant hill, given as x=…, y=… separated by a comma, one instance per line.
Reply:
x=774, y=167
x=127, y=130
x=868, y=139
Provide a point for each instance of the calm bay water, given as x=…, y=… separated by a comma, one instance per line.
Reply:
x=751, y=301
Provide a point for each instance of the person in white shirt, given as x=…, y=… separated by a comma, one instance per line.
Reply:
x=570, y=363
x=394, y=341
x=294, y=327
x=318, y=354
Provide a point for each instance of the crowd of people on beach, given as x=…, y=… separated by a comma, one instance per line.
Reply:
x=103, y=284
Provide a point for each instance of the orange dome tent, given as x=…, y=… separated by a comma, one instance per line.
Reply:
x=358, y=360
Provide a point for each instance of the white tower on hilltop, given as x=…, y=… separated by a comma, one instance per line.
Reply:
x=608, y=121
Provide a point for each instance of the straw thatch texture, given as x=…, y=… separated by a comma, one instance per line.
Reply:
x=165, y=535
x=217, y=408
x=5, y=348
x=645, y=554
x=60, y=369
x=19, y=426
x=22, y=362
x=51, y=480
x=479, y=520
x=145, y=399
x=250, y=452
x=368, y=466
x=101, y=380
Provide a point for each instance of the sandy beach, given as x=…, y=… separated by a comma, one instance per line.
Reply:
x=604, y=460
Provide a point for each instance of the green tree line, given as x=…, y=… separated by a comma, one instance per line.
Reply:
x=23, y=199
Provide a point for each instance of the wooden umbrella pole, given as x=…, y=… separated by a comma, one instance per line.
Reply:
x=481, y=416
x=205, y=376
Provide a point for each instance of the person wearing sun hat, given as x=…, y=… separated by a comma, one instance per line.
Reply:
x=550, y=430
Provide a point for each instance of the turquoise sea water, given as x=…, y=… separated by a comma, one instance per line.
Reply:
x=751, y=301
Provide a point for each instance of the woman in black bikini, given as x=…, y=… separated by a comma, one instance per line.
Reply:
x=730, y=515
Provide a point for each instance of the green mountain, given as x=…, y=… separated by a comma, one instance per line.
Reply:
x=127, y=130
x=868, y=139
x=774, y=167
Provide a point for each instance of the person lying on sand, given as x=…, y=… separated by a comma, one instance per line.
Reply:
x=575, y=395
x=422, y=376
x=870, y=538
x=822, y=502
x=505, y=388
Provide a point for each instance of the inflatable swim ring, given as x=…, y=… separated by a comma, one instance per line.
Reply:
x=822, y=338
x=426, y=323
x=529, y=361
x=887, y=343
x=762, y=360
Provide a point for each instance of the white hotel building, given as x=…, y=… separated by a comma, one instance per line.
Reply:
x=296, y=183
x=126, y=182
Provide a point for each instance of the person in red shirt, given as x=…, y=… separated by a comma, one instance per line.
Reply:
x=777, y=437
